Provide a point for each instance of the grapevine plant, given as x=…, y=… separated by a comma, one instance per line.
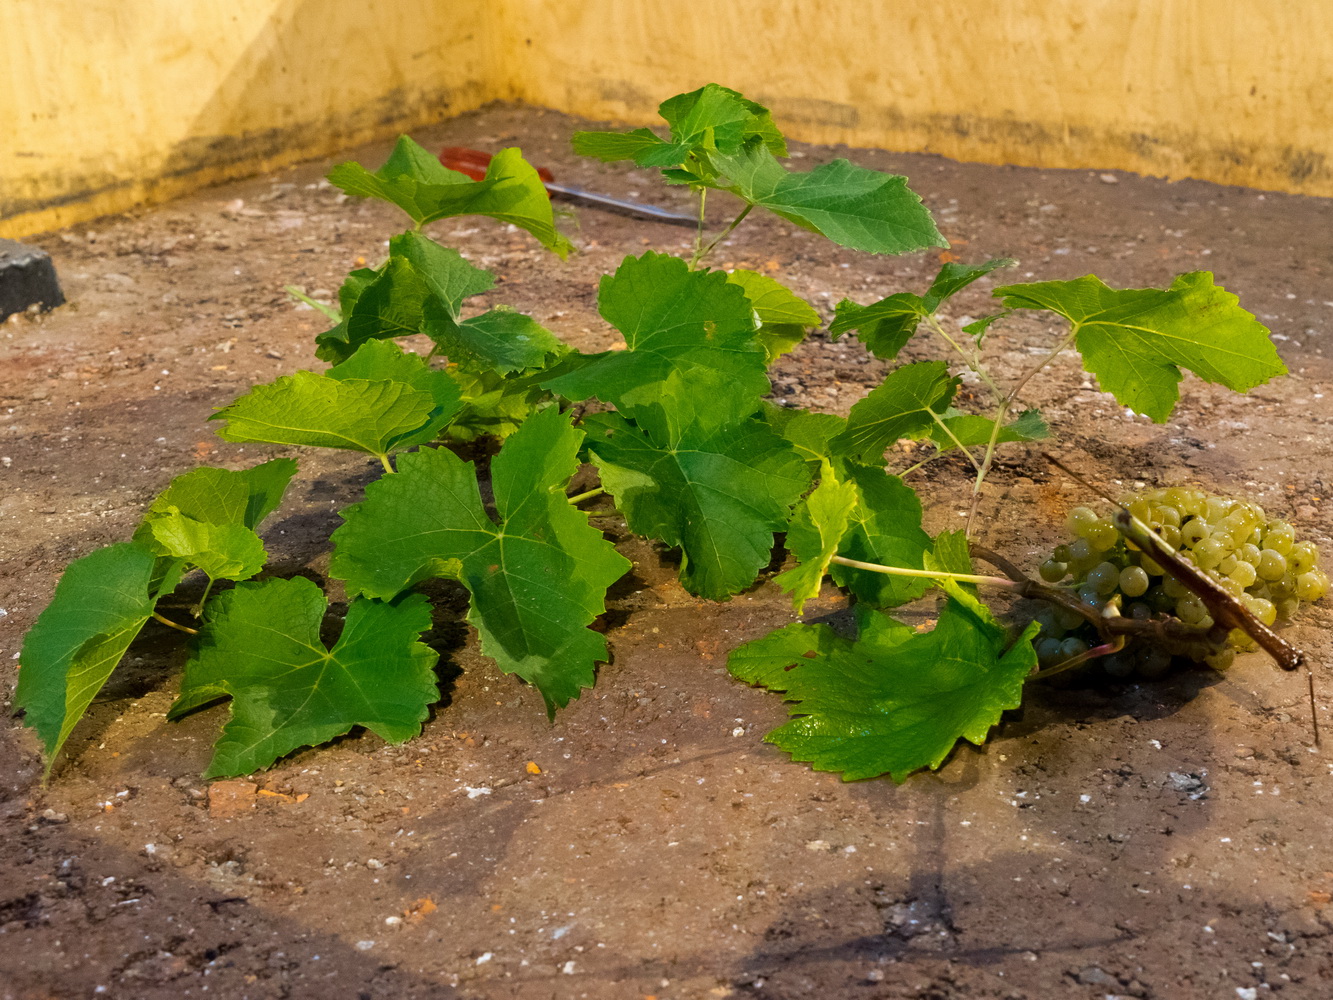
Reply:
x=685, y=445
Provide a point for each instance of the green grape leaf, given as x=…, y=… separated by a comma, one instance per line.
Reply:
x=492, y=404
x=893, y=700
x=389, y=306
x=887, y=325
x=783, y=317
x=538, y=578
x=443, y=270
x=100, y=604
x=519, y=198
x=884, y=527
x=375, y=416
x=978, y=329
x=691, y=355
x=716, y=118
x=884, y=326
x=717, y=494
x=501, y=340
x=809, y=433
x=1137, y=340
x=710, y=118
x=416, y=182
x=411, y=178
x=905, y=405
x=953, y=277
x=640, y=145
x=970, y=430
x=261, y=648
x=852, y=206
x=226, y=496
x=381, y=360
x=814, y=535
x=421, y=283
x=222, y=551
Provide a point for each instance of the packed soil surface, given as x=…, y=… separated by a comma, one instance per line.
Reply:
x=1168, y=839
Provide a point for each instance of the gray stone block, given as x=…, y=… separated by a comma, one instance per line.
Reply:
x=27, y=276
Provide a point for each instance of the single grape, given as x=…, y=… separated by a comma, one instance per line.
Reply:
x=1264, y=610
x=1194, y=531
x=1272, y=565
x=1104, y=578
x=1067, y=618
x=1052, y=571
x=1210, y=552
x=1133, y=581
x=1080, y=520
x=1249, y=552
x=1103, y=536
x=1244, y=574
x=1061, y=554
x=1312, y=585
x=1139, y=611
x=1072, y=647
x=1080, y=551
x=1216, y=508
x=1190, y=609
x=1279, y=536
x=1303, y=556
x=1170, y=534
x=1221, y=659
x=1166, y=516
x=1048, y=651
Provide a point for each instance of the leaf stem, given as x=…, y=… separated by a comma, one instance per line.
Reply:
x=954, y=438
x=179, y=628
x=198, y=609
x=925, y=461
x=579, y=498
x=384, y=461
x=699, y=232
x=929, y=574
x=1000, y=414
x=326, y=309
x=972, y=358
x=699, y=255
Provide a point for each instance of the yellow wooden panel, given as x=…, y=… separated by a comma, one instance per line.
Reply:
x=1226, y=90
x=105, y=104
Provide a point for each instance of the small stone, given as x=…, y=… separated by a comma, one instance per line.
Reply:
x=818, y=845
x=1094, y=976
x=51, y=816
x=1108, y=178
x=875, y=976
x=374, y=863
x=364, y=945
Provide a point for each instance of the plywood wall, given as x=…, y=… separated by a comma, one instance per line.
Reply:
x=107, y=103
x=1226, y=90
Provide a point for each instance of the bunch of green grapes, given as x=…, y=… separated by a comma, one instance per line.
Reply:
x=1257, y=560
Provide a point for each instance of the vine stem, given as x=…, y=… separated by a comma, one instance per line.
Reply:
x=929, y=574
x=954, y=438
x=179, y=628
x=1000, y=414
x=579, y=498
x=971, y=358
x=198, y=609
x=699, y=255
x=699, y=232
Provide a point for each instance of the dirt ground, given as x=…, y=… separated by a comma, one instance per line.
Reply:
x=1170, y=840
